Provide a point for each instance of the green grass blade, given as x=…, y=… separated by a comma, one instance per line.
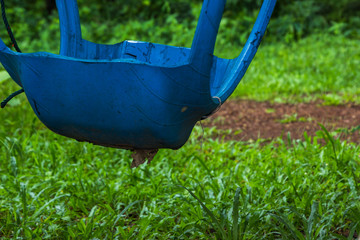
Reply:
x=352, y=231
x=40, y=210
x=331, y=139
x=123, y=211
x=236, y=214
x=212, y=216
x=312, y=218
x=289, y=226
x=24, y=200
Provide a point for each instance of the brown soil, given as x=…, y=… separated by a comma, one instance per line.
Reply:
x=253, y=120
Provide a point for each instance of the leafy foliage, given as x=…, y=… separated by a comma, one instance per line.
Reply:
x=174, y=21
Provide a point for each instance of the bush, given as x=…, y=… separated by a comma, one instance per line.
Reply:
x=174, y=21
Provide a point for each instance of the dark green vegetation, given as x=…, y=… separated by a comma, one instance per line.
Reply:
x=56, y=188
x=174, y=21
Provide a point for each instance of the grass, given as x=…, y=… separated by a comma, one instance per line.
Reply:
x=52, y=187
x=316, y=68
x=294, y=118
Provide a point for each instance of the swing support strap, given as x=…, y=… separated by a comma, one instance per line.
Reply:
x=13, y=40
x=7, y=26
x=3, y=103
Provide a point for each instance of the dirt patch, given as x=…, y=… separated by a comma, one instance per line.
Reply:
x=253, y=120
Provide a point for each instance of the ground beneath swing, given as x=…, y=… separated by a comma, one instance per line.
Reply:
x=252, y=120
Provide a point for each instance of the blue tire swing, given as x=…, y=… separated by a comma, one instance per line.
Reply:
x=133, y=95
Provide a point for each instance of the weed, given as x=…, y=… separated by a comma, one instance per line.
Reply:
x=294, y=118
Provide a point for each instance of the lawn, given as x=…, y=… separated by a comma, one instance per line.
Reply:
x=318, y=67
x=56, y=188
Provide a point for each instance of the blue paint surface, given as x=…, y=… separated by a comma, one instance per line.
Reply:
x=133, y=95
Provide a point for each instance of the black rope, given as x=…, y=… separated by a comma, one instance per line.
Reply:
x=8, y=28
x=13, y=40
x=3, y=103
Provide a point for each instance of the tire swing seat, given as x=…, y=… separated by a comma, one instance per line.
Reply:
x=131, y=95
